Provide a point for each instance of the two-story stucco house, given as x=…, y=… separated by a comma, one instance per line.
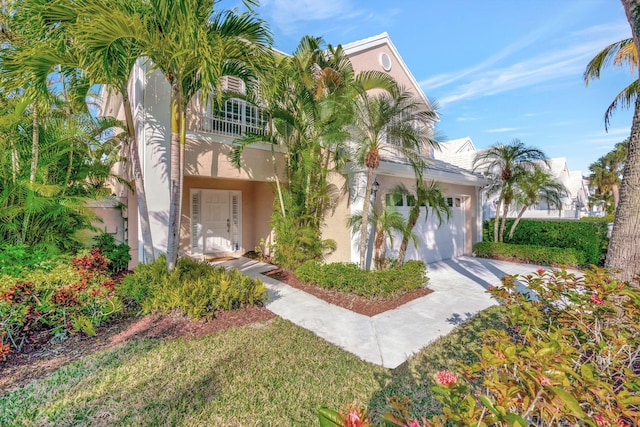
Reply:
x=226, y=211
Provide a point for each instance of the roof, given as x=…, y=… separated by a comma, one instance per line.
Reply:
x=378, y=40
x=454, y=146
x=436, y=170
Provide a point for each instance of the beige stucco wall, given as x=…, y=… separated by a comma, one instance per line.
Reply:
x=368, y=60
x=335, y=226
x=210, y=156
x=257, y=205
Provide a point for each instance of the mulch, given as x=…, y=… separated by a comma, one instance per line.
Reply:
x=40, y=356
x=359, y=304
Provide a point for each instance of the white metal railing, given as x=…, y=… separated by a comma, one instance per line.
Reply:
x=236, y=117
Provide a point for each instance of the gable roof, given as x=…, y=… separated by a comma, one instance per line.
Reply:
x=358, y=46
x=454, y=146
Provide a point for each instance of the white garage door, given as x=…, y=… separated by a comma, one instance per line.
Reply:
x=436, y=243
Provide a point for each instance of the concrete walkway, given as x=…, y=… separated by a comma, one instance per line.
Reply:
x=390, y=338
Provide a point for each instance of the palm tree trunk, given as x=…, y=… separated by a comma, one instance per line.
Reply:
x=515, y=223
x=15, y=161
x=174, y=179
x=365, y=218
x=378, y=246
x=411, y=223
x=35, y=149
x=623, y=254
x=275, y=169
x=496, y=219
x=616, y=194
x=503, y=224
x=141, y=194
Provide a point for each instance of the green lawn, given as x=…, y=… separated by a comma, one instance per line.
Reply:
x=272, y=374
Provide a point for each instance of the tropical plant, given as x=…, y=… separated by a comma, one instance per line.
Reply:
x=620, y=54
x=427, y=195
x=193, y=46
x=536, y=186
x=385, y=222
x=506, y=166
x=606, y=174
x=308, y=100
x=111, y=66
x=623, y=254
x=393, y=122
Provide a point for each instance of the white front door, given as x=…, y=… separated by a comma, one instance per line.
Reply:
x=215, y=221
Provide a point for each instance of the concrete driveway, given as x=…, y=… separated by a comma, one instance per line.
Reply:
x=390, y=338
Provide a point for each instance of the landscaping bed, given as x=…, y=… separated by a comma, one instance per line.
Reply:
x=356, y=303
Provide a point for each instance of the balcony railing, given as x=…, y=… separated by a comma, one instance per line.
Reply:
x=237, y=117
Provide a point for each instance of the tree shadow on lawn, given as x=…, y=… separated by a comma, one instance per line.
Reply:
x=415, y=378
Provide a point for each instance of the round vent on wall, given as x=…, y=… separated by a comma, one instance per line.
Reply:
x=385, y=61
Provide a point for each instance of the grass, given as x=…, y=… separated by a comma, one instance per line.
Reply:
x=272, y=374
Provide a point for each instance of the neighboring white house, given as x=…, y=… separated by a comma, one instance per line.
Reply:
x=227, y=211
x=462, y=152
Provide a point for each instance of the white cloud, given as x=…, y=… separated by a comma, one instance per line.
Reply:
x=499, y=130
x=467, y=119
x=568, y=61
x=289, y=16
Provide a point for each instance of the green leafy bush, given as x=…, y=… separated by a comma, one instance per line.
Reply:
x=117, y=253
x=197, y=288
x=589, y=237
x=530, y=253
x=568, y=357
x=71, y=297
x=16, y=259
x=348, y=277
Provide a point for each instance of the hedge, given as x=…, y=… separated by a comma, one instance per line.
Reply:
x=589, y=237
x=530, y=253
x=348, y=277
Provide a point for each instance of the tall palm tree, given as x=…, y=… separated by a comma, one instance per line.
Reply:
x=623, y=253
x=619, y=54
x=395, y=123
x=506, y=165
x=193, y=46
x=427, y=195
x=111, y=66
x=385, y=222
x=537, y=185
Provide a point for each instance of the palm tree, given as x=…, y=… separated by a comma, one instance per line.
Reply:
x=385, y=222
x=623, y=254
x=537, y=185
x=394, y=122
x=111, y=66
x=620, y=54
x=428, y=195
x=193, y=47
x=506, y=165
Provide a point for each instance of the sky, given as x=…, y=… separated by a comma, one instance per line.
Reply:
x=498, y=69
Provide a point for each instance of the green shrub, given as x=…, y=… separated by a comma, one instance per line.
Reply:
x=531, y=253
x=16, y=259
x=118, y=254
x=71, y=297
x=589, y=237
x=348, y=277
x=607, y=218
x=568, y=357
x=197, y=288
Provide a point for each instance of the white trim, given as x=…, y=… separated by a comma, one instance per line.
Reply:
x=228, y=140
x=235, y=238
x=406, y=171
x=378, y=40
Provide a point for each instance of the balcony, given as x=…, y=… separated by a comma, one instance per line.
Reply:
x=236, y=117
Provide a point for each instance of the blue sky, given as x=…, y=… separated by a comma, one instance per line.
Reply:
x=499, y=69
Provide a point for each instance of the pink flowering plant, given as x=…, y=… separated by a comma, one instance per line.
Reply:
x=569, y=356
